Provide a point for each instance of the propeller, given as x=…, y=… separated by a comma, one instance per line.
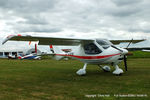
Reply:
x=125, y=56
x=125, y=62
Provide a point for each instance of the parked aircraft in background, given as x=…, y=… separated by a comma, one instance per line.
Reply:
x=146, y=50
x=12, y=56
x=28, y=56
x=90, y=51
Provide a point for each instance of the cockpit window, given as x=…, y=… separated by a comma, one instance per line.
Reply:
x=104, y=43
x=91, y=48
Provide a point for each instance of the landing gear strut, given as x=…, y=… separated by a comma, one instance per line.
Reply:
x=82, y=71
x=117, y=71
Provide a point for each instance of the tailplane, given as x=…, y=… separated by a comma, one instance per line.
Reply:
x=58, y=52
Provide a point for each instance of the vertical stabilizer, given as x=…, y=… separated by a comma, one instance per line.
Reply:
x=56, y=50
x=36, y=48
x=51, y=48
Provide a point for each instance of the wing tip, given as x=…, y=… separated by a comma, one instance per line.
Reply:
x=9, y=37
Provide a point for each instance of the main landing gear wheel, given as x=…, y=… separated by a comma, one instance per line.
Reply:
x=118, y=71
x=82, y=71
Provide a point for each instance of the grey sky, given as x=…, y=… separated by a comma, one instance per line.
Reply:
x=112, y=19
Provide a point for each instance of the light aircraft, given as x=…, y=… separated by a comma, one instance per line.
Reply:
x=12, y=56
x=90, y=51
x=146, y=50
x=31, y=56
x=28, y=56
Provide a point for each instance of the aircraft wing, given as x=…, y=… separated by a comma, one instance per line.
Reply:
x=48, y=40
x=121, y=41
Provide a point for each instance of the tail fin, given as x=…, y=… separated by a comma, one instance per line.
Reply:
x=19, y=57
x=57, y=50
x=36, y=48
x=51, y=49
x=29, y=42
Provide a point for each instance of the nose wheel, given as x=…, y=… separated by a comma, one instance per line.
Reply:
x=105, y=68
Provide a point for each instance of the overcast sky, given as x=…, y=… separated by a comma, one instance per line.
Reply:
x=111, y=19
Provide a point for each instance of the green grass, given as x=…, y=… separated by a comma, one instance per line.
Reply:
x=57, y=80
x=140, y=54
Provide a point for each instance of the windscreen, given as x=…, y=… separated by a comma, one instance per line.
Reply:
x=104, y=43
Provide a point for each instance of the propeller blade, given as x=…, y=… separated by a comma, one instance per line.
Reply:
x=125, y=62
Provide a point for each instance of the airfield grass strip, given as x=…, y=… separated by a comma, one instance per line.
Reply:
x=57, y=80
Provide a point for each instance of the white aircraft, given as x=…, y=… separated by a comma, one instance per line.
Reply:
x=12, y=56
x=30, y=56
x=146, y=50
x=90, y=51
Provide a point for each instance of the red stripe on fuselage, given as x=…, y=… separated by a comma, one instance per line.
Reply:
x=88, y=57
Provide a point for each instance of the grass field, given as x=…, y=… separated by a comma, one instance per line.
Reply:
x=140, y=54
x=57, y=80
